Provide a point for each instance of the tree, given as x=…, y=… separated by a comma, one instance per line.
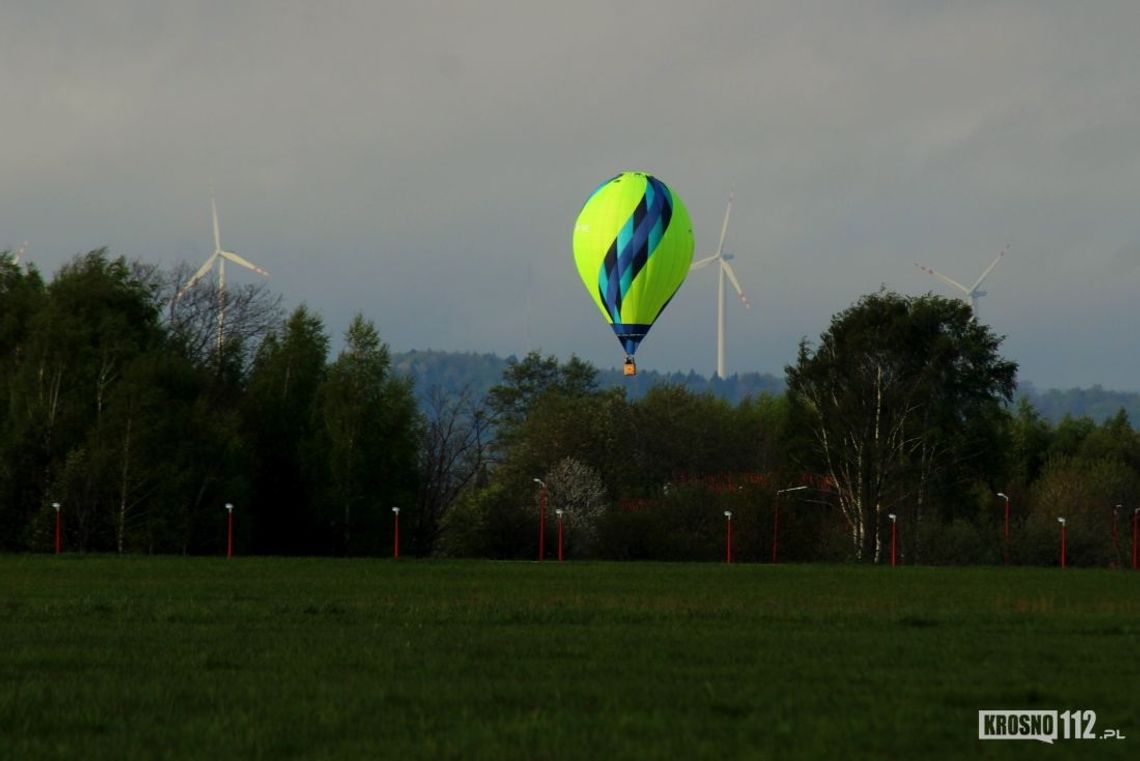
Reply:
x=893, y=390
x=96, y=320
x=679, y=433
x=534, y=377
x=577, y=490
x=1028, y=446
x=252, y=312
x=22, y=295
x=1084, y=492
x=452, y=455
x=368, y=420
x=279, y=413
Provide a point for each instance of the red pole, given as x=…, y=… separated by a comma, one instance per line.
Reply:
x=230, y=531
x=58, y=529
x=559, y=536
x=396, y=533
x=728, y=537
x=1063, y=544
x=1005, y=531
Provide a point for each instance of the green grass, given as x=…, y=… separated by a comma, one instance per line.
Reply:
x=108, y=658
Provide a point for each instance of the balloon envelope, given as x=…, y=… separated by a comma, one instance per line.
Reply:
x=633, y=244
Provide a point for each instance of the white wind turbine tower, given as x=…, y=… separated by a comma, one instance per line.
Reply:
x=725, y=270
x=972, y=293
x=220, y=256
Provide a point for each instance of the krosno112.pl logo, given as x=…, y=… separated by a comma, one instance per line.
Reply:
x=1043, y=726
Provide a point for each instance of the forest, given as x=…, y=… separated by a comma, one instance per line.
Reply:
x=142, y=413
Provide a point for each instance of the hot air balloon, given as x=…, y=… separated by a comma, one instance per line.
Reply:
x=633, y=244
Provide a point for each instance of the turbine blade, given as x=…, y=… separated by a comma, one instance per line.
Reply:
x=724, y=227
x=943, y=278
x=735, y=283
x=702, y=263
x=990, y=268
x=201, y=273
x=217, y=235
x=243, y=262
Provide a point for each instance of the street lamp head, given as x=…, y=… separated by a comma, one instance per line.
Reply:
x=558, y=512
x=56, y=505
x=540, y=482
x=892, y=516
x=229, y=507
x=1003, y=496
x=728, y=514
x=1062, y=521
x=396, y=510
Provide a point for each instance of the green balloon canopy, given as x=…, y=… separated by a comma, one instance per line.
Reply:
x=633, y=245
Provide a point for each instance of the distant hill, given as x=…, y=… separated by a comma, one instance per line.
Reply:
x=1096, y=402
x=453, y=371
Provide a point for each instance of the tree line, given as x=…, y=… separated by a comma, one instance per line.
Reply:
x=121, y=404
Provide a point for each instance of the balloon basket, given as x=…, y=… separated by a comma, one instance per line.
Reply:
x=630, y=366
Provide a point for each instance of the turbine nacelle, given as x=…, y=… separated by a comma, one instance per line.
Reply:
x=973, y=293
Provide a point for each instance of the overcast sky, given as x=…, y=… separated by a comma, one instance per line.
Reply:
x=423, y=162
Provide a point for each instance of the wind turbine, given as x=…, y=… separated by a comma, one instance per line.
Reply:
x=725, y=270
x=220, y=256
x=972, y=293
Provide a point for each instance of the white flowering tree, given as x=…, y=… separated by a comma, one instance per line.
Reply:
x=577, y=490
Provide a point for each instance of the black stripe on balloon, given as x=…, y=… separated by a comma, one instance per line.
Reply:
x=609, y=266
x=640, y=256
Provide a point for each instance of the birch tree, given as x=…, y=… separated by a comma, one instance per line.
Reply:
x=894, y=391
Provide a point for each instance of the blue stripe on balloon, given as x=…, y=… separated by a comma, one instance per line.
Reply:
x=635, y=253
x=655, y=235
x=635, y=243
x=615, y=292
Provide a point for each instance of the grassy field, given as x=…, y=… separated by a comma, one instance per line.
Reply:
x=108, y=658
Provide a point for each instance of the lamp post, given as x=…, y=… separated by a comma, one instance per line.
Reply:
x=229, y=530
x=728, y=537
x=558, y=512
x=541, y=517
x=58, y=529
x=776, y=521
x=1005, y=531
x=894, y=536
x=1064, y=525
x=395, y=533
